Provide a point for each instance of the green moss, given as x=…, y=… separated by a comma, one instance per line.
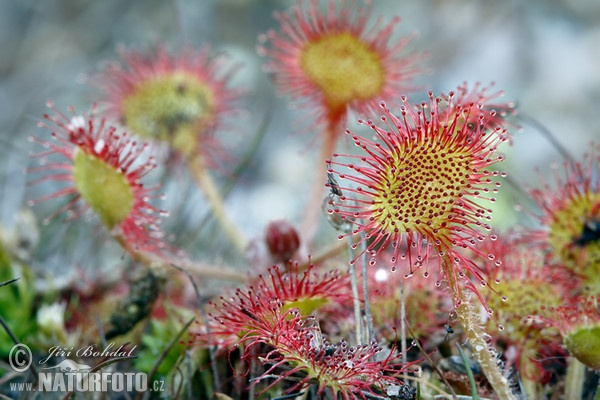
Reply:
x=16, y=302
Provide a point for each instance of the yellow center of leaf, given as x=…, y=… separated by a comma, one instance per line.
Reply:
x=575, y=244
x=419, y=189
x=106, y=190
x=344, y=68
x=174, y=108
x=306, y=306
x=524, y=297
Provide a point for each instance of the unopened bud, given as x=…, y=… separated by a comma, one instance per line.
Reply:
x=282, y=240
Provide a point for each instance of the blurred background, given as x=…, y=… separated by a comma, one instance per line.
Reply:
x=545, y=55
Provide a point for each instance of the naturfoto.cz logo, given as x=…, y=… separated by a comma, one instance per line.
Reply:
x=71, y=376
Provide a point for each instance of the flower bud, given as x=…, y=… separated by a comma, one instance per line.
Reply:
x=282, y=240
x=584, y=344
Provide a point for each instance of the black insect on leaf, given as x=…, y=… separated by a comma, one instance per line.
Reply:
x=590, y=233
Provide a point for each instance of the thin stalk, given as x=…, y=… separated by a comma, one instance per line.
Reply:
x=528, y=368
x=365, y=276
x=431, y=362
x=475, y=336
x=153, y=262
x=328, y=253
x=574, y=379
x=310, y=222
x=211, y=350
x=551, y=138
x=202, y=269
x=354, y=284
x=211, y=271
x=467, y=365
x=403, y=324
x=253, y=373
x=251, y=149
x=161, y=357
x=482, y=353
x=10, y=281
x=209, y=187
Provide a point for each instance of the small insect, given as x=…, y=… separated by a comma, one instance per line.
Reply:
x=591, y=233
x=449, y=331
x=448, y=327
x=312, y=325
x=249, y=314
x=317, y=342
x=330, y=204
x=334, y=187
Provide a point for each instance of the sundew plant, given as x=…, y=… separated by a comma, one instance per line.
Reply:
x=300, y=199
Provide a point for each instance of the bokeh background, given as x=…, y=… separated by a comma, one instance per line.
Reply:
x=545, y=55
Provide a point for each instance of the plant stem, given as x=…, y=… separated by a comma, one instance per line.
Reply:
x=208, y=186
x=211, y=271
x=528, y=368
x=328, y=253
x=481, y=351
x=475, y=336
x=403, y=324
x=355, y=298
x=549, y=136
x=204, y=270
x=315, y=198
x=365, y=277
x=465, y=361
x=574, y=379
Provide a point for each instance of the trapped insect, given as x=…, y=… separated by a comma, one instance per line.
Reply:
x=334, y=187
x=589, y=234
